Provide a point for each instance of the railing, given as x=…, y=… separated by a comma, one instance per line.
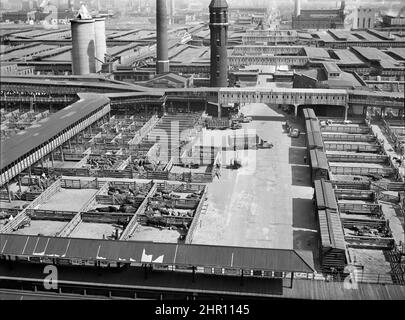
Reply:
x=133, y=222
x=67, y=230
x=360, y=170
x=145, y=130
x=346, y=129
x=352, y=194
x=51, y=214
x=347, y=137
x=49, y=192
x=341, y=146
x=82, y=162
x=342, y=184
x=358, y=157
x=196, y=219
x=79, y=184
x=370, y=242
x=90, y=202
x=360, y=208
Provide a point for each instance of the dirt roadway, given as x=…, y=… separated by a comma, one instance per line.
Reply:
x=268, y=202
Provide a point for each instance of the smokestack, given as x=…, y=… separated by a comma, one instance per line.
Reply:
x=171, y=11
x=219, y=39
x=297, y=8
x=162, y=63
x=83, y=46
x=101, y=44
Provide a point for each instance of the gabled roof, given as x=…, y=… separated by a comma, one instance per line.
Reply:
x=309, y=114
x=325, y=195
x=318, y=159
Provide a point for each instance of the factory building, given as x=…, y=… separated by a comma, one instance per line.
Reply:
x=392, y=21
x=318, y=19
x=364, y=18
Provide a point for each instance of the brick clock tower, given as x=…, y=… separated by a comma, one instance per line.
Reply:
x=219, y=40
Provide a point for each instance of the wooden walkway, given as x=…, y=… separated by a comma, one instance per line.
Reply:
x=322, y=290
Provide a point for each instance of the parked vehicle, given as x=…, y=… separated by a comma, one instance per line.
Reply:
x=294, y=133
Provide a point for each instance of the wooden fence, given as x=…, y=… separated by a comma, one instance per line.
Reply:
x=92, y=200
x=196, y=218
x=68, y=229
x=48, y=193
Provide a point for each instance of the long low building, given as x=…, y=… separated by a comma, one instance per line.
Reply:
x=73, y=251
x=353, y=102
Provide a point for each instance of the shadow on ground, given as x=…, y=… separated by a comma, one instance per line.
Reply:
x=296, y=155
x=303, y=214
x=298, y=142
x=268, y=118
x=308, y=237
x=301, y=175
x=307, y=240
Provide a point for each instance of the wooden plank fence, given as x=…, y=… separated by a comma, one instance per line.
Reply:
x=48, y=193
x=134, y=221
x=196, y=218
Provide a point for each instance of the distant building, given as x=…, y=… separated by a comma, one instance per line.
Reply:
x=12, y=69
x=364, y=18
x=170, y=80
x=133, y=75
x=16, y=16
x=319, y=19
x=328, y=76
x=391, y=21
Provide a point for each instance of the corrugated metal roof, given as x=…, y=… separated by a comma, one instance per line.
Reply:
x=158, y=253
x=309, y=113
x=318, y=159
x=371, y=94
x=80, y=85
x=314, y=52
x=331, y=230
x=313, y=125
x=347, y=57
x=325, y=195
x=400, y=52
x=33, y=137
x=315, y=140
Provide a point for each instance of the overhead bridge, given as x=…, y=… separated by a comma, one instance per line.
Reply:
x=236, y=60
x=286, y=96
x=60, y=87
x=17, y=88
